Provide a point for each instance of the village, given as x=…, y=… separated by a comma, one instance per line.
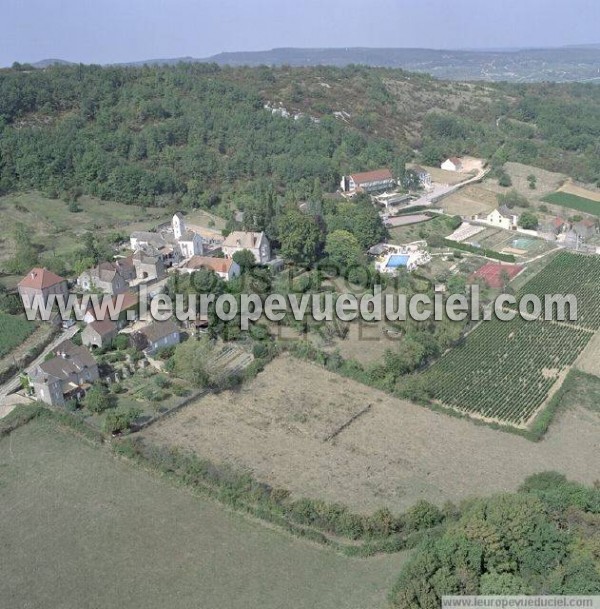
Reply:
x=493, y=247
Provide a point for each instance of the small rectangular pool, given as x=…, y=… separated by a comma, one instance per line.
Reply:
x=397, y=260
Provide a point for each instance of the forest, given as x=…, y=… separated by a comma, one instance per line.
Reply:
x=194, y=135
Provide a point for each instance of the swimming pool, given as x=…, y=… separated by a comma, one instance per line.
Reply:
x=397, y=260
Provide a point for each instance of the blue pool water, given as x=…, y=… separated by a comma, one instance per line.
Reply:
x=397, y=260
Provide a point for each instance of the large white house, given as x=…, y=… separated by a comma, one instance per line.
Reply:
x=257, y=243
x=502, y=217
x=369, y=181
x=452, y=164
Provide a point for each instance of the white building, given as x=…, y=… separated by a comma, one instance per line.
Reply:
x=257, y=243
x=181, y=242
x=502, y=218
x=452, y=164
x=369, y=181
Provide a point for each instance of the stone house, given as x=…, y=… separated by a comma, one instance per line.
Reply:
x=68, y=375
x=99, y=333
x=106, y=278
x=155, y=336
x=257, y=243
x=41, y=283
x=225, y=268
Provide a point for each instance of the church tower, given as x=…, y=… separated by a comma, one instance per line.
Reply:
x=178, y=226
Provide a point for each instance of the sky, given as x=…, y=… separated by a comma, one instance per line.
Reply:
x=112, y=31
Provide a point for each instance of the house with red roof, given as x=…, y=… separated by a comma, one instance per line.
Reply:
x=225, y=268
x=368, y=181
x=41, y=283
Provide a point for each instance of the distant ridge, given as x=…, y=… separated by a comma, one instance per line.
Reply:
x=562, y=64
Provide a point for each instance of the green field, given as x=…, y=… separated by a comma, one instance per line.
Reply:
x=565, y=199
x=56, y=230
x=505, y=370
x=82, y=529
x=13, y=331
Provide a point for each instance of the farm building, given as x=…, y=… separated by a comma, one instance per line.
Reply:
x=369, y=181
x=106, y=277
x=452, y=164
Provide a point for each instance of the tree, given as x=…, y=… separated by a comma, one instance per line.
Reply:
x=121, y=419
x=98, y=399
x=528, y=221
x=245, y=258
x=532, y=181
x=343, y=248
x=300, y=236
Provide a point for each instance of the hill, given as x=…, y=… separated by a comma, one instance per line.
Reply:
x=199, y=134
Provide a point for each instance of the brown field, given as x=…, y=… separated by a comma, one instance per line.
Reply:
x=365, y=342
x=392, y=455
x=572, y=189
x=589, y=360
x=547, y=181
x=470, y=200
x=441, y=176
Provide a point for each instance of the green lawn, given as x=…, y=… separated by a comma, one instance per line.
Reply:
x=82, y=529
x=565, y=199
x=13, y=331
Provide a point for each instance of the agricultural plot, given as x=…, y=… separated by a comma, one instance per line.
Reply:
x=571, y=274
x=571, y=201
x=98, y=532
x=13, y=331
x=506, y=371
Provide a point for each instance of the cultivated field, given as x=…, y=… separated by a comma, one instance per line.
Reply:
x=82, y=529
x=470, y=201
x=571, y=201
x=586, y=193
x=392, y=455
x=506, y=371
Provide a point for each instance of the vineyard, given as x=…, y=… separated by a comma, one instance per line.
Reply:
x=504, y=371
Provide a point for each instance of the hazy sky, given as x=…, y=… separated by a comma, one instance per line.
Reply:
x=105, y=31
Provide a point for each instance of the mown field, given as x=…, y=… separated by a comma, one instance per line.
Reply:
x=98, y=532
x=13, y=331
x=506, y=370
x=571, y=201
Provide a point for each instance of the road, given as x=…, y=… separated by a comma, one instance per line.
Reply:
x=14, y=384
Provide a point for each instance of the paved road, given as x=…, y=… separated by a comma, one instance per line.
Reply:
x=14, y=384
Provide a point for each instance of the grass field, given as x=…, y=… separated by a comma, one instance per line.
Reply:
x=57, y=230
x=571, y=201
x=82, y=529
x=393, y=455
x=13, y=331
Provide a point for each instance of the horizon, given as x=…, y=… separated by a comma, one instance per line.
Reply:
x=109, y=32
